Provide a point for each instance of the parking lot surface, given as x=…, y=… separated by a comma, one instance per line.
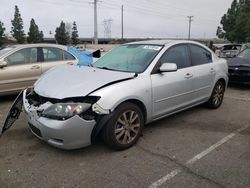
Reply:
x=195, y=148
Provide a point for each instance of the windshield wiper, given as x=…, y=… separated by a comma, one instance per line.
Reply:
x=106, y=68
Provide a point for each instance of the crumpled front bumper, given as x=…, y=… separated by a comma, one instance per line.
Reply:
x=72, y=133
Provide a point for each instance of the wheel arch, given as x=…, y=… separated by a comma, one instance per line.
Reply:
x=138, y=103
x=104, y=119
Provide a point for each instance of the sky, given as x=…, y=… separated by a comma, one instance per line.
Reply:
x=142, y=18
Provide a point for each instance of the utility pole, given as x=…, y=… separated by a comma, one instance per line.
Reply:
x=189, y=30
x=122, y=21
x=95, y=22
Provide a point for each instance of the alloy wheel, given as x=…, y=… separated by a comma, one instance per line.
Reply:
x=127, y=127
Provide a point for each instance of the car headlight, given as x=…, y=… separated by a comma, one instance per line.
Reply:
x=65, y=110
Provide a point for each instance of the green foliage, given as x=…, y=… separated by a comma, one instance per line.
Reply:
x=220, y=33
x=2, y=29
x=61, y=36
x=34, y=35
x=17, y=27
x=236, y=22
x=74, y=34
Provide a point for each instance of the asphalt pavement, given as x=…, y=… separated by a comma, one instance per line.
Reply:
x=195, y=148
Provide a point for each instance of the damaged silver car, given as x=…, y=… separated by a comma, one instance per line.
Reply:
x=132, y=85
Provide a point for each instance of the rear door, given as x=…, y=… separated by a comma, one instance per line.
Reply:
x=55, y=56
x=22, y=70
x=205, y=71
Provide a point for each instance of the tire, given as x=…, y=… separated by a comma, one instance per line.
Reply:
x=217, y=96
x=124, y=128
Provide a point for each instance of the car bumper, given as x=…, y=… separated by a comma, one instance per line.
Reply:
x=72, y=133
x=239, y=78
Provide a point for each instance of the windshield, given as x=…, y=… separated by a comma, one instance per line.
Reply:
x=245, y=54
x=5, y=50
x=129, y=58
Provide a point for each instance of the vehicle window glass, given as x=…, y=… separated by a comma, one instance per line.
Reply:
x=24, y=56
x=245, y=54
x=52, y=54
x=178, y=55
x=200, y=55
x=129, y=58
x=68, y=56
x=6, y=50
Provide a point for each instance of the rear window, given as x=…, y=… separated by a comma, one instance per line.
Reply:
x=232, y=47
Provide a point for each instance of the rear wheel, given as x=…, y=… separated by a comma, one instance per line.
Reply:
x=217, y=96
x=124, y=128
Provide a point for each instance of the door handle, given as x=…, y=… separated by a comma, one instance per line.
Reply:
x=35, y=67
x=212, y=70
x=188, y=75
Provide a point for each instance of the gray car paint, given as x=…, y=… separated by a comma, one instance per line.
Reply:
x=72, y=81
x=161, y=94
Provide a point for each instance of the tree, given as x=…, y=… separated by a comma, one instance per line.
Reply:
x=2, y=29
x=34, y=35
x=236, y=22
x=74, y=34
x=41, y=36
x=62, y=37
x=17, y=27
x=220, y=33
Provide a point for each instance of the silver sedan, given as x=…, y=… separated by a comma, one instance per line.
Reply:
x=132, y=85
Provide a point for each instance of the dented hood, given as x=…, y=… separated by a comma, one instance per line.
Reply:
x=72, y=81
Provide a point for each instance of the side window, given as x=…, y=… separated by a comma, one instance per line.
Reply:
x=68, y=56
x=200, y=55
x=24, y=56
x=177, y=54
x=52, y=54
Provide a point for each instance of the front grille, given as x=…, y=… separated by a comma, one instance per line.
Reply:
x=35, y=130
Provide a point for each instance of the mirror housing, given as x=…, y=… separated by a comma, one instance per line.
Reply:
x=168, y=67
x=3, y=64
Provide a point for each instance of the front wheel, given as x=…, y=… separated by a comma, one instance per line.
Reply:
x=124, y=128
x=217, y=96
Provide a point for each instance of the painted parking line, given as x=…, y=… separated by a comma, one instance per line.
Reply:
x=238, y=98
x=199, y=156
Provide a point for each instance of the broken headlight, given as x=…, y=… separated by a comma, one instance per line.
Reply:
x=65, y=110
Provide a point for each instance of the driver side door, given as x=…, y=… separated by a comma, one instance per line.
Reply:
x=173, y=91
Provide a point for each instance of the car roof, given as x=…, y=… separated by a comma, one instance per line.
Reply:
x=163, y=42
x=38, y=45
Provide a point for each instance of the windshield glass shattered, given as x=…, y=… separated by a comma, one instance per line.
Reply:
x=129, y=58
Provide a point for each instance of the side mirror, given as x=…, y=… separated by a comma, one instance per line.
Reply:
x=3, y=64
x=168, y=67
x=97, y=54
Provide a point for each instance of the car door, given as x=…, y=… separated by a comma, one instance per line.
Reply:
x=55, y=56
x=205, y=71
x=173, y=91
x=22, y=70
